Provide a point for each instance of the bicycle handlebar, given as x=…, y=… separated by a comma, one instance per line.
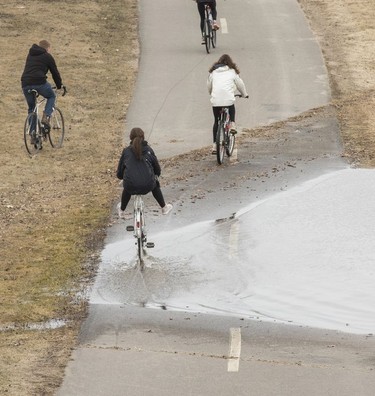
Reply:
x=63, y=87
x=240, y=96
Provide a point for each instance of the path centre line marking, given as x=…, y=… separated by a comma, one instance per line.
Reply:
x=234, y=349
x=234, y=232
x=223, y=26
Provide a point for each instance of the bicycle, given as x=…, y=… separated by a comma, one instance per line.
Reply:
x=35, y=132
x=139, y=229
x=225, y=139
x=209, y=33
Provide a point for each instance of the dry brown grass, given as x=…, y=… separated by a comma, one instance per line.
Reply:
x=54, y=207
x=346, y=31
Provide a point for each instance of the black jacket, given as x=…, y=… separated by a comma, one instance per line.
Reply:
x=38, y=63
x=138, y=175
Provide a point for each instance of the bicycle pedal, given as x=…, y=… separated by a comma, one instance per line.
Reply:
x=46, y=128
x=130, y=228
x=150, y=244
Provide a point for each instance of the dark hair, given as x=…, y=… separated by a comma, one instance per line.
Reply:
x=225, y=60
x=137, y=136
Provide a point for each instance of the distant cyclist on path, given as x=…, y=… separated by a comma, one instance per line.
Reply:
x=212, y=4
x=223, y=80
x=39, y=62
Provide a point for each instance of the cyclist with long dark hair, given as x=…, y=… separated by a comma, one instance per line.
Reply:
x=223, y=81
x=201, y=4
x=139, y=169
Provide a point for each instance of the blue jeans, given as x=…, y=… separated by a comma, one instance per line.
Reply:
x=46, y=91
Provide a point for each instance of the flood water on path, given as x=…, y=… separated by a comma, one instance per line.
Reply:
x=304, y=256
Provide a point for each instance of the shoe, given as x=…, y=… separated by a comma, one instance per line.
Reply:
x=203, y=41
x=215, y=26
x=167, y=208
x=121, y=213
x=32, y=138
x=213, y=148
x=46, y=122
x=232, y=128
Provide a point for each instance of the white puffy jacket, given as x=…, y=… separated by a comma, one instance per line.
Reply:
x=222, y=84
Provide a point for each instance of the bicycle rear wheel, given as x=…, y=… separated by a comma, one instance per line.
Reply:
x=207, y=35
x=230, y=139
x=32, y=134
x=213, y=38
x=140, y=235
x=220, y=143
x=57, y=130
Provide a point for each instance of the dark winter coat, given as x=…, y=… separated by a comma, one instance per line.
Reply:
x=138, y=175
x=38, y=63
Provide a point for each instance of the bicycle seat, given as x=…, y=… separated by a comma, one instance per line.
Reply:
x=33, y=91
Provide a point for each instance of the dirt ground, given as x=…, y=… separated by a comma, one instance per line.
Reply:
x=55, y=208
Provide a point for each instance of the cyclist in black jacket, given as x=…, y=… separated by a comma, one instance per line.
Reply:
x=139, y=169
x=212, y=4
x=39, y=62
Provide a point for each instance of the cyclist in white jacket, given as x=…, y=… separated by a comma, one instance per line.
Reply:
x=223, y=81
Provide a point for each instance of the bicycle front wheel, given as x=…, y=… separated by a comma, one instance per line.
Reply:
x=57, y=130
x=207, y=35
x=230, y=139
x=32, y=136
x=220, y=143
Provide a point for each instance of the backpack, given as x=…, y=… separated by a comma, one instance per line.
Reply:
x=139, y=176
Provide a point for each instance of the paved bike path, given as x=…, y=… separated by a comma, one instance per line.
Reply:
x=279, y=60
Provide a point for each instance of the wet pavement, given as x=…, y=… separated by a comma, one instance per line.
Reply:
x=294, y=246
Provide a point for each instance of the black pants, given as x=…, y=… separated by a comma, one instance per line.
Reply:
x=216, y=111
x=202, y=14
x=156, y=192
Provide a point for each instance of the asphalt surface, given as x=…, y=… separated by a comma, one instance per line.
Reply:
x=129, y=349
x=279, y=60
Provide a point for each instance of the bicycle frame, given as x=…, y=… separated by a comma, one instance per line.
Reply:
x=139, y=229
x=35, y=124
x=224, y=117
x=209, y=33
x=224, y=139
x=43, y=99
x=138, y=216
x=35, y=132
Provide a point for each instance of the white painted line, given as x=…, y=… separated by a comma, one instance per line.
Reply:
x=223, y=26
x=234, y=232
x=234, y=349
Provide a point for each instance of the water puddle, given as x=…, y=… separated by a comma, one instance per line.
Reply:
x=304, y=256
